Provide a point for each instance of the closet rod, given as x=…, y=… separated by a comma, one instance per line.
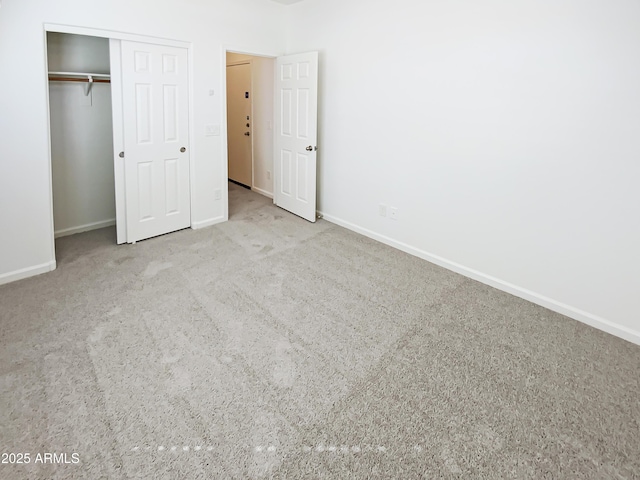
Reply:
x=85, y=80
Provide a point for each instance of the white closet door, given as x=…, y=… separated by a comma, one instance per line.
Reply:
x=156, y=139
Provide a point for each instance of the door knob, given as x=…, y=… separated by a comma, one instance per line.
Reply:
x=183, y=149
x=121, y=154
x=309, y=148
x=246, y=134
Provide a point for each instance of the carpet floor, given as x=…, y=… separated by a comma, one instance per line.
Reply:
x=269, y=347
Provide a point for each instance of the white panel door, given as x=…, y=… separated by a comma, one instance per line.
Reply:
x=156, y=139
x=296, y=134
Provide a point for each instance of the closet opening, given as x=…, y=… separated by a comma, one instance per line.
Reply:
x=120, y=136
x=81, y=135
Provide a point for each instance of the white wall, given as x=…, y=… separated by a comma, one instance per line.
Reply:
x=506, y=133
x=25, y=186
x=262, y=78
x=81, y=136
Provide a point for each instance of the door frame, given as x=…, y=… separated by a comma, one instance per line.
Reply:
x=118, y=163
x=243, y=50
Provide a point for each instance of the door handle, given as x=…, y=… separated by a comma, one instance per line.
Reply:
x=183, y=149
x=246, y=134
x=310, y=148
x=121, y=154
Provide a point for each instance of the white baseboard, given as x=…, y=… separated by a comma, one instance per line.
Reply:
x=27, y=272
x=572, y=312
x=262, y=192
x=207, y=223
x=84, y=228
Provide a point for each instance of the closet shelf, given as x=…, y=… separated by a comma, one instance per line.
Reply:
x=88, y=78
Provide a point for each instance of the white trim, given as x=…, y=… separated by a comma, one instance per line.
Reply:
x=84, y=228
x=253, y=52
x=207, y=223
x=262, y=192
x=27, y=272
x=94, y=32
x=117, y=115
x=253, y=122
x=224, y=167
x=559, y=307
x=191, y=128
x=52, y=238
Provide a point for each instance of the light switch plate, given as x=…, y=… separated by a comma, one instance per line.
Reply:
x=212, y=130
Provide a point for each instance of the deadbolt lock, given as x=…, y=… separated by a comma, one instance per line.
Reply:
x=183, y=149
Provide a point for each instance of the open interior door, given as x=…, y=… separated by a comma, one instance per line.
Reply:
x=296, y=134
x=155, y=109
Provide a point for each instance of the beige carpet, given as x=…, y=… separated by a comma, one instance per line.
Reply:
x=271, y=347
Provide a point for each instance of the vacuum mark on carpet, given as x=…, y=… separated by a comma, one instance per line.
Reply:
x=172, y=357
x=284, y=372
x=156, y=267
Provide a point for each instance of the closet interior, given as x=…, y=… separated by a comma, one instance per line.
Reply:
x=81, y=131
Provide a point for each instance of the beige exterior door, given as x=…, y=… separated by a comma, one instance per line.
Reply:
x=239, y=122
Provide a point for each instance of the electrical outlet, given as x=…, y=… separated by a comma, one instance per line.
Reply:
x=218, y=194
x=382, y=210
x=393, y=213
x=268, y=174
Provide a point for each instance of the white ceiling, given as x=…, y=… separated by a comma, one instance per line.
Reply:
x=287, y=2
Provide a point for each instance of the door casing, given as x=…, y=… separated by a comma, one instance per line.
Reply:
x=257, y=52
